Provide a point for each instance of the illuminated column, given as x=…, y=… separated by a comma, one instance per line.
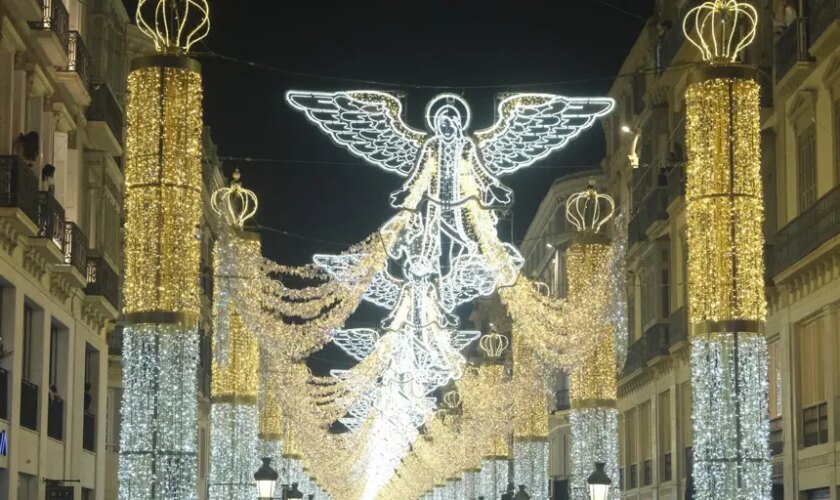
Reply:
x=158, y=440
x=234, y=419
x=271, y=428
x=530, y=423
x=724, y=215
x=593, y=417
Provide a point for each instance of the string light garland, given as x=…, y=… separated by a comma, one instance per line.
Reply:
x=724, y=217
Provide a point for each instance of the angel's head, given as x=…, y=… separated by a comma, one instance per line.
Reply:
x=448, y=115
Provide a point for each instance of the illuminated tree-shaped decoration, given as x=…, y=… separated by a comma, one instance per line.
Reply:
x=174, y=25
x=235, y=204
x=721, y=29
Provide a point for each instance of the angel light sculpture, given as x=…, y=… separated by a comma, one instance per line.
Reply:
x=443, y=238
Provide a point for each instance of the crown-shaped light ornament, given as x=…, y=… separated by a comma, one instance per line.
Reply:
x=452, y=400
x=235, y=203
x=493, y=344
x=589, y=210
x=174, y=25
x=721, y=29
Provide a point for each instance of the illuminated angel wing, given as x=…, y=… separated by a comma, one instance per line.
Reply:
x=368, y=123
x=531, y=126
x=357, y=342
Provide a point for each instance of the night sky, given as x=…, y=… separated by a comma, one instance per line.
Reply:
x=312, y=188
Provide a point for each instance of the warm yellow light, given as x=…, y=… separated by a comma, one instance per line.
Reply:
x=163, y=189
x=724, y=206
x=174, y=25
x=721, y=29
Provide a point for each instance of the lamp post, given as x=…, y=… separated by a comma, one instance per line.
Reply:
x=599, y=483
x=266, y=478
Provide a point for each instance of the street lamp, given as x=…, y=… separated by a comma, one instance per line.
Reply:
x=266, y=479
x=599, y=483
x=292, y=492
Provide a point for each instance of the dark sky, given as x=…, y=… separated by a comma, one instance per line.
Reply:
x=315, y=189
x=453, y=43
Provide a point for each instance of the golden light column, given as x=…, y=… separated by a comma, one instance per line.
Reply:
x=724, y=215
x=234, y=416
x=593, y=385
x=530, y=421
x=158, y=442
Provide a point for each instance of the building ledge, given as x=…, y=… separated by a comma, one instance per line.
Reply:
x=71, y=274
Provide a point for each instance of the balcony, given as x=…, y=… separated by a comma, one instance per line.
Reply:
x=677, y=327
x=55, y=418
x=669, y=46
x=49, y=241
x=791, y=48
x=75, y=250
x=656, y=342
x=52, y=32
x=89, y=432
x=804, y=234
x=654, y=208
x=76, y=75
x=115, y=342
x=777, y=439
x=635, y=357
x=676, y=183
x=103, y=282
x=822, y=15
x=105, y=121
x=19, y=194
x=28, y=405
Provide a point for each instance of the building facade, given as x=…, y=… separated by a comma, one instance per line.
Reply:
x=798, y=59
x=62, y=78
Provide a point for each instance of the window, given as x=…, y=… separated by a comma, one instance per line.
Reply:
x=665, y=286
x=812, y=383
x=202, y=452
x=631, y=312
x=28, y=348
x=630, y=448
x=53, y=356
x=807, y=167
x=112, y=419
x=664, y=426
x=815, y=425
x=645, y=444
x=687, y=432
x=774, y=375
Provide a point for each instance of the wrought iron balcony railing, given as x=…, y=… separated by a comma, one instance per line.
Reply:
x=791, y=47
x=18, y=186
x=75, y=247
x=28, y=405
x=804, y=234
x=89, y=432
x=656, y=340
x=104, y=107
x=821, y=14
x=676, y=182
x=50, y=219
x=102, y=280
x=78, y=57
x=677, y=327
x=635, y=357
x=55, y=418
x=55, y=18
